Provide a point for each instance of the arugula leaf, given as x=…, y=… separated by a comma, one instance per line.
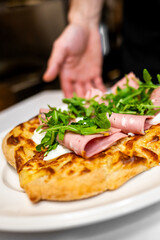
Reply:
x=134, y=101
x=102, y=121
x=146, y=76
x=57, y=122
x=94, y=115
x=158, y=77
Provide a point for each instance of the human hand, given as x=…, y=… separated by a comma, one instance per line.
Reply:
x=77, y=57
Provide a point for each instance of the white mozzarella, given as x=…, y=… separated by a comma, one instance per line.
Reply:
x=155, y=120
x=131, y=134
x=37, y=137
x=63, y=107
x=60, y=150
x=78, y=119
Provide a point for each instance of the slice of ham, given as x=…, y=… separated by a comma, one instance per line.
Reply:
x=128, y=123
x=133, y=82
x=155, y=96
x=42, y=112
x=89, y=145
x=92, y=92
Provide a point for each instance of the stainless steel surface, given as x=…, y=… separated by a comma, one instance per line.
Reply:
x=28, y=29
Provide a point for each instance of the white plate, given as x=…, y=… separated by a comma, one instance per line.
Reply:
x=17, y=213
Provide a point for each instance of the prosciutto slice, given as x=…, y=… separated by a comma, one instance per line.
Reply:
x=92, y=92
x=128, y=123
x=89, y=145
x=133, y=82
x=42, y=112
x=155, y=96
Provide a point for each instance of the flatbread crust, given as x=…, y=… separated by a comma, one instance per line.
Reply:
x=71, y=177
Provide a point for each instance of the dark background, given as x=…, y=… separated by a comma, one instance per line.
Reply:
x=27, y=31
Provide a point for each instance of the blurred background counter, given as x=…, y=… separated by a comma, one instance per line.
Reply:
x=28, y=29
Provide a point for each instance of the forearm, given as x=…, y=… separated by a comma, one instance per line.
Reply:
x=85, y=12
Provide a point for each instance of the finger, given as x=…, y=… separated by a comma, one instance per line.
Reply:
x=98, y=82
x=79, y=89
x=67, y=87
x=55, y=62
x=88, y=86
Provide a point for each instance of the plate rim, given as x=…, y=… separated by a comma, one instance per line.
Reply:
x=83, y=217
x=79, y=218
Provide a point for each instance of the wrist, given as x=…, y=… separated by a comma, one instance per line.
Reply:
x=82, y=20
x=86, y=13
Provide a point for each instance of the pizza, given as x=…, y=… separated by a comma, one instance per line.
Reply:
x=96, y=163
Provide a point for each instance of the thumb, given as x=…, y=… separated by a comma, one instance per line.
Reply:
x=55, y=62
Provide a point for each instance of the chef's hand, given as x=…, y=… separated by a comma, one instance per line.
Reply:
x=77, y=58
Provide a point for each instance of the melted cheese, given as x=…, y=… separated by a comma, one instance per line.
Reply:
x=37, y=137
x=60, y=150
x=155, y=120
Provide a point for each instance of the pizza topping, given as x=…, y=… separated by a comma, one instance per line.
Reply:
x=87, y=120
x=96, y=94
x=136, y=124
x=131, y=100
x=155, y=96
x=155, y=120
x=60, y=150
x=132, y=82
x=84, y=117
x=37, y=137
x=89, y=145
